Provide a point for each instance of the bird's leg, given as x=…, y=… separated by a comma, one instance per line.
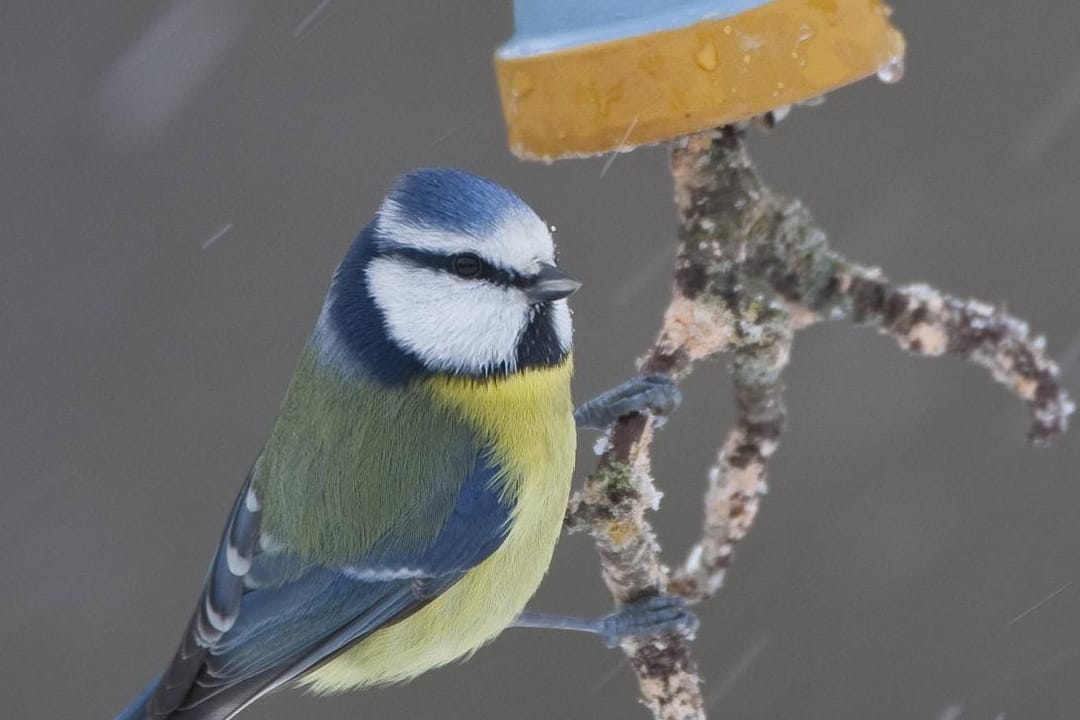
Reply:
x=653, y=615
x=656, y=393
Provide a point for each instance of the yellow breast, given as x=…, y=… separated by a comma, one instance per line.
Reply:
x=528, y=420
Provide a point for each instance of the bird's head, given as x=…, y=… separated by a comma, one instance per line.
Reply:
x=455, y=274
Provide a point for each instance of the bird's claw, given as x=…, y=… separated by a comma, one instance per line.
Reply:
x=655, y=393
x=653, y=615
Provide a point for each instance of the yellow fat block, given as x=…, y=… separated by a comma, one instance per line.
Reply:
x=632, y=91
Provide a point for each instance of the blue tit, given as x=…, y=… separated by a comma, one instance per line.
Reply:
x=407, y=502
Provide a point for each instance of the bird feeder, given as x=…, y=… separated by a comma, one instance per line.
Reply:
x=584, y=77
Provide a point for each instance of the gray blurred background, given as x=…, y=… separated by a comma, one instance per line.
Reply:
x=179, y=179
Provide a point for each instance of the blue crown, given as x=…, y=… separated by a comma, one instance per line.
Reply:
x=454, y=200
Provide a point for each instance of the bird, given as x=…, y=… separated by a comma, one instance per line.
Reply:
x=408, y=500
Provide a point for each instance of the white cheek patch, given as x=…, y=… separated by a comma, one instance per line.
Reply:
x=451, y=324
x=521, y=240
x=564, y=326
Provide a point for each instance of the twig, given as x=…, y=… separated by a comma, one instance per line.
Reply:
x=739, y=477
x=611, y=507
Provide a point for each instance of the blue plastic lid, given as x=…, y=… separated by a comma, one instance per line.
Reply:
x=542, y=26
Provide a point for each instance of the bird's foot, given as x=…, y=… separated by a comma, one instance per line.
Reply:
x=655, y=393
x=654, y=615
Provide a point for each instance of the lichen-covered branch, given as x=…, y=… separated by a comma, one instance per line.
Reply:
x=739, y=477
x=788, y=254
x=612, y=505
x=752, y=268
x=720, y=219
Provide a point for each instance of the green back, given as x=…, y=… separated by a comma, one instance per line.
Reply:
x=350, y=460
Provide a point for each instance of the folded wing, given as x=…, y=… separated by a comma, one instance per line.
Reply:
x=265, y=617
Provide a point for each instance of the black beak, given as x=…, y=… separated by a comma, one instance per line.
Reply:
x=550, y=283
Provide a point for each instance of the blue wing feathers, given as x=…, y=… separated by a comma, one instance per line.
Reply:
x=217, y=609
x=324, y=599
x=476, y=526
x=285, y=617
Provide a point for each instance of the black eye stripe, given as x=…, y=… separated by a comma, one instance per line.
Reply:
x=438, y=261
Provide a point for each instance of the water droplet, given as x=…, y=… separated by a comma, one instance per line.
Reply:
x=892, y=71
x=707, y=57
x=746, y=58
x=727, y=29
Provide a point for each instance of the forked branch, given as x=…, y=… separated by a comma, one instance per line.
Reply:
x=752, y=268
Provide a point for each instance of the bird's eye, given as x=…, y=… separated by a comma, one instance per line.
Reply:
x=466, y=265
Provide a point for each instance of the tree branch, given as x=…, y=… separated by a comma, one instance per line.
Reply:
x=739, y=477
x=612, y=505
x=752, y=268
